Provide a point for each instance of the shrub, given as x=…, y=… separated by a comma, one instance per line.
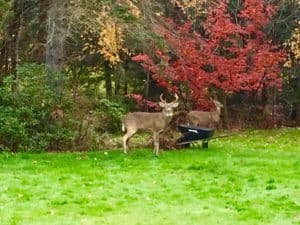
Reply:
x=25, y=120
x=110, y=113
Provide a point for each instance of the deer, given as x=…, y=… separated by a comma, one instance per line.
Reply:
x=154, y=122
x=205, y=119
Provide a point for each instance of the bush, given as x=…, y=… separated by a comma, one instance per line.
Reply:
x=110, y=113
x=25, y=113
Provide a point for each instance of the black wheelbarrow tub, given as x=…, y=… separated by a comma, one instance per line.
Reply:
x=194, y=133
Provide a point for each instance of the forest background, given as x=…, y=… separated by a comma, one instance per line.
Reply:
x=70, y=69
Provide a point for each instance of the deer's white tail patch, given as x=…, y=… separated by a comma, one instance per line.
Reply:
x=123, y=126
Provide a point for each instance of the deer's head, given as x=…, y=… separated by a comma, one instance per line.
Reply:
x=217, y=104
x=168, y=106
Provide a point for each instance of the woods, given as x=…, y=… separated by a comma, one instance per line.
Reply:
x=70, y=70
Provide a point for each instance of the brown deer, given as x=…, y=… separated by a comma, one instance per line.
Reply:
x=205, y=119
x=154, y=122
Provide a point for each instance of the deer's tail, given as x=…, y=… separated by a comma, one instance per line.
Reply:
x=123, y=125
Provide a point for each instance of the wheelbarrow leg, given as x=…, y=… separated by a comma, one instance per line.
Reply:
x=205, y=144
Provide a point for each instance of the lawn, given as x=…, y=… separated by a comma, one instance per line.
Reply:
x=250, y=178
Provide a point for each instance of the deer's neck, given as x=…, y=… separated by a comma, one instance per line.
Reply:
x=167, y=117
x=218, y=111
x=216, y=114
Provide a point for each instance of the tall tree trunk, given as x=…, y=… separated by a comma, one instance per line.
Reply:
x=13, y=42
x=297, y=103
x=40, y=39
x=119, y=74
x=3, y=61
x=108, y=86
x=125, y=87
x=223, y=99
x=57, y=31
x=108, y=79
x=125, y=78
x=166, y=6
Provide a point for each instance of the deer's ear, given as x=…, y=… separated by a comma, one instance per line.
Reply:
x=162, y=104
x=217, y=103
x=175, y=104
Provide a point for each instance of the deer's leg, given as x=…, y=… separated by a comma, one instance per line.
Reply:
x=156, y=143
x=126, y=138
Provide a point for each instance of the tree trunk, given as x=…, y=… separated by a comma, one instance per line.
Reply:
x=297, y=104
x=3, y=62
x=125, y=79
x=108, y=79
x=125, y=88
x=223, y=99
x=13, y=42
x=166, y=6
x=108, y=86
x=57, y=31
x=40, y=39
x=119, y=74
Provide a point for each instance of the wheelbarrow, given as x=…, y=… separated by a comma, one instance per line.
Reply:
x=193, y=133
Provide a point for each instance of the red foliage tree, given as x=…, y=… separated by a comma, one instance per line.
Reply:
x=142, y=104
x=233, y=55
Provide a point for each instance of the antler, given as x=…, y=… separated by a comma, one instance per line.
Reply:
x=161, y=98
x=176, y=97
x=164, y=101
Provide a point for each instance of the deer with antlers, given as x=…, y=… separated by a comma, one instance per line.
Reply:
x=154, y=122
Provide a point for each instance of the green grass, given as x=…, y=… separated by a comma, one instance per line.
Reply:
x=253, y=178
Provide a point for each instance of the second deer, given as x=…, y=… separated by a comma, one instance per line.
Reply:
x=205, y=119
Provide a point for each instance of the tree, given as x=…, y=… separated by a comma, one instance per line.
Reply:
x=231, y=56
x=11, y=47
x=5, y=15
x=40, y=39
x=293, y=64
x=55, y=47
